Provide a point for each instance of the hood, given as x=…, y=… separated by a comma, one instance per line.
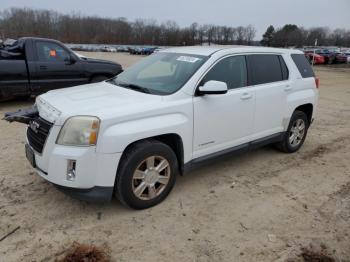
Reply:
x=94, y=60
x=103, y=100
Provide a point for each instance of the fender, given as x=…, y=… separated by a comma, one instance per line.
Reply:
x=302, y=97
x=117, y=137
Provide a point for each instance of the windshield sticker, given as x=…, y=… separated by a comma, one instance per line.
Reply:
x=189, y=59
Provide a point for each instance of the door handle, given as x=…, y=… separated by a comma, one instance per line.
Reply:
x=288, y=87
x=246, y=96
x=43, y=67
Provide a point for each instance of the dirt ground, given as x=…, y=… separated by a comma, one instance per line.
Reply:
x=261, y=206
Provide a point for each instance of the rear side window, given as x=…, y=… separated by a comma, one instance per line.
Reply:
x=303, y=65
x=265, y=69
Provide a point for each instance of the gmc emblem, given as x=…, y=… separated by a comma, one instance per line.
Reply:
x=34, y=126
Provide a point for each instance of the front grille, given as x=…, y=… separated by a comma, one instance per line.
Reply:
x=37, y=133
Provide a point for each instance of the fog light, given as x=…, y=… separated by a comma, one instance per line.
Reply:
x=71, y=170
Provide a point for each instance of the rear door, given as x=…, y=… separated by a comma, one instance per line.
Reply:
x=268, y=76
x=54, y=68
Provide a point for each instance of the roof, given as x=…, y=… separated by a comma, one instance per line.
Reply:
x=21, y=39
x=209, y=50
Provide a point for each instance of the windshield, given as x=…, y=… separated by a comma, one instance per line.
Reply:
x=161, y=73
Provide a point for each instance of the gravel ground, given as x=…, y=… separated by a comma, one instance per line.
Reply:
x=261, y=206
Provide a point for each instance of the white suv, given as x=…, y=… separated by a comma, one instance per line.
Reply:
x=131, y=135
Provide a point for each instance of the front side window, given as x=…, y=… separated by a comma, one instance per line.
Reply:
x=51, y=52
x=264, y=69
x=161, y=73
x=231, y=70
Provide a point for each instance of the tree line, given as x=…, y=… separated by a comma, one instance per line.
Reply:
x=77, y=28
x=292, y=35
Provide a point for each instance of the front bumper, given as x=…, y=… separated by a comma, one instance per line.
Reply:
x=94, y=171
x=95, y=195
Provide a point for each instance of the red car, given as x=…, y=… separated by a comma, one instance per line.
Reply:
x=317, y=59
x=331, y=56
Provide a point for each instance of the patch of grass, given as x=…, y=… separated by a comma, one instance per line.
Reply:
x=86, y=253
x=310, y=255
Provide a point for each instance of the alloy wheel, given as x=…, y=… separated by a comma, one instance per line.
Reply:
x=151, y=177
x=297, y=132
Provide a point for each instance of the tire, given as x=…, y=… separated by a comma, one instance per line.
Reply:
x=97, y=79
x=288, y=145
x=137, y=182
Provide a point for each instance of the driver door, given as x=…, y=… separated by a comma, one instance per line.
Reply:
x=54, y=68
x=224, y=121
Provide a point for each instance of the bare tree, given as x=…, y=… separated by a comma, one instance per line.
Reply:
x=77, y=28
x=193, y=31
x=240, y=35
x=249, y=34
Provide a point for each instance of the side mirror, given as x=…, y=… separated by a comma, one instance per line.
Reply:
x=71, y=60
x=213, y=87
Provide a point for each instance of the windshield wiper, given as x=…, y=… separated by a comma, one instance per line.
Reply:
x=137, y=88
x=132, y=87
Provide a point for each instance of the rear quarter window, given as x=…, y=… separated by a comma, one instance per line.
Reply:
x=303, y=65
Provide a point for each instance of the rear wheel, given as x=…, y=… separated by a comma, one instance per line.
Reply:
x=295, y=134
x=146, y=174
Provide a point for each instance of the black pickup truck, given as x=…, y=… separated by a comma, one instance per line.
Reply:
x=31, y=66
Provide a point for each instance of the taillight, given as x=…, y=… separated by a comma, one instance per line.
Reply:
x=317, y=82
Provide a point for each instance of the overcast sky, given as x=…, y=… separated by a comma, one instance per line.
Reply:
x=259, y=13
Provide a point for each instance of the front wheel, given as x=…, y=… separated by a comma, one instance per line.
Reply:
x=295, y=134
x=146, y=174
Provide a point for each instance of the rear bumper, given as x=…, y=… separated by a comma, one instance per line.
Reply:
x=95, y=195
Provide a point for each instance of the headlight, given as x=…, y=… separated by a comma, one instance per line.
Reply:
x=79, y=131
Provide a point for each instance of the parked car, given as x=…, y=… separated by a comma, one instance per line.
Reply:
x=31, y=66
x=78, y=48
x=108, y=49
x=347, y=53
x=147, y=50
x=340, y=58
x=172, y=111
x=328, y=56
x=122, y=49
x=141, y=50
x=314, y=58
x=331, y=57
x=133, y=50
x=157, y=49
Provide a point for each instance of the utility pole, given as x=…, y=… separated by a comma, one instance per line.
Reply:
x=313, y=57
